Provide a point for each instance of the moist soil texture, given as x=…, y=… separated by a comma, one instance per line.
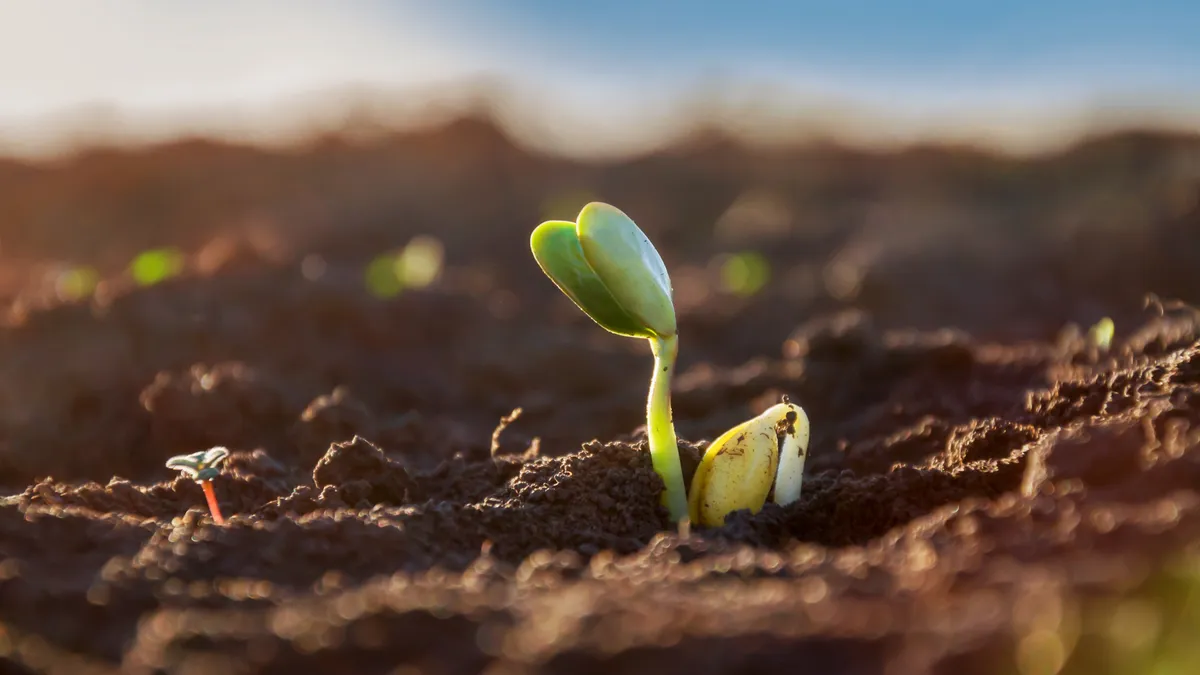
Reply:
x=453, y=478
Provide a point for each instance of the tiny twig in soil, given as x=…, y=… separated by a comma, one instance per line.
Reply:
x=504, y=422
x=1162, y=307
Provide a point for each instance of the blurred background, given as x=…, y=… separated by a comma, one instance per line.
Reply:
x=607, y=80
x=1041, y=158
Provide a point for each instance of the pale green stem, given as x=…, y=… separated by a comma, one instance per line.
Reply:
x=664, y=451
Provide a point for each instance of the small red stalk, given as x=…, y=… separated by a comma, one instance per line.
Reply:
x=212, y=501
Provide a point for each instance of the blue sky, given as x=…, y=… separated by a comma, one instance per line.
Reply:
x=925, y=44
x=616, y=64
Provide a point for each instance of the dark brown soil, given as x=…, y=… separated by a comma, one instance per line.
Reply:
x=987, y=491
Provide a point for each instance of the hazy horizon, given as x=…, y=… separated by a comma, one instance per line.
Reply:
x=577, y=79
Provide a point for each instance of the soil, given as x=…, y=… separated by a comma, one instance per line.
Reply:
x=988, y=490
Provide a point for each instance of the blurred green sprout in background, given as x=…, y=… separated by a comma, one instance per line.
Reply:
x=1148, y=630
x=156, y=265
x=381, y=278
x=744, y=273
x=1155, y=630
x=1101, y=334
x=76, y=283
x=417, y=265
x=420, y=263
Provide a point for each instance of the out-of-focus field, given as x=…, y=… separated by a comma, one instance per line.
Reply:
x=989, y=490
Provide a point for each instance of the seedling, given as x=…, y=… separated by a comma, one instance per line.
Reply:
x=607, y=266
x=739, y=468
x=611, y=271
x=203, y=467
